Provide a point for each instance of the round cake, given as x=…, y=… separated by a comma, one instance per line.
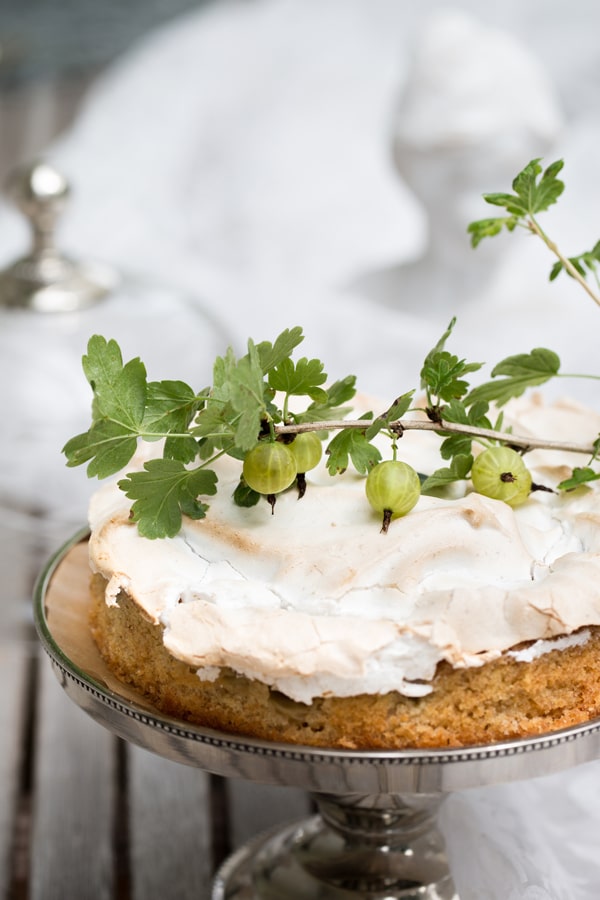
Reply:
x=467, y=622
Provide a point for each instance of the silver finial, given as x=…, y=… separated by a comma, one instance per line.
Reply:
x=45, y=280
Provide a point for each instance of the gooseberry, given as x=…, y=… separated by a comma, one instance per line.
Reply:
x=393, y=488
x=269, y=468
x=500, y=473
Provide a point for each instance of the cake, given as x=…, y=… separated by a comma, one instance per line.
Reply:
x=468, y=622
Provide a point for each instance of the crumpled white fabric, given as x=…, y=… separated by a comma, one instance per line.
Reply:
x=244, y=155
x=530, y=840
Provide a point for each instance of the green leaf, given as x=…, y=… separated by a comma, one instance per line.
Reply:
x=459, y=414
x=441, y=344
x=303, y=378
x=244, y=496
x=351, y=444
x=578, y=477
x=163, y=492
x=555, y=270
x=534, y=191
x=119, y=391
x=213, y=428
x=272, y=355
x=248, y=398
x=509, y=201
x=185, y=449
x=458, y=470
x=522, y=371
x=539, y=360
x=338, y=393
x=533, y=194
x=341, y=391
x=237, y=403
x=483, y=228
x=109, y=445
x=222, y=369
x=456, y=445
x=587, y=260
x=442, y=375
x=246, y=381
x=399, y=407
x=171, y=407
x=537, y=195
x=247, y=430
x=395, y=412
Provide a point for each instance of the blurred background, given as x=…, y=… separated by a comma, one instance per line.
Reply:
x=50, y=52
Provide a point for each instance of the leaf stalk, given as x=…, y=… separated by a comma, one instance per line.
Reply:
x=566, y=262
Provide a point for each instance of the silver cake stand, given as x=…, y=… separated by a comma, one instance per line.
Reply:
x=375, y=836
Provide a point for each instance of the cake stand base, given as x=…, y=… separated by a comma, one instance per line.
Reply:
x=383, y=847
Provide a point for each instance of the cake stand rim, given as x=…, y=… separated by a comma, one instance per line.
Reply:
x=82, y=686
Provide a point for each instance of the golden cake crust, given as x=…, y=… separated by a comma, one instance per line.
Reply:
x=501, y=700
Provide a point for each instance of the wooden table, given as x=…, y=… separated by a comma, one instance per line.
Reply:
x=83, y=815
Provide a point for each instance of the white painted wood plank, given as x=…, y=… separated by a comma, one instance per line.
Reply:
x=12, y=695
x=256, y=807
x=72, y=846
x=18, y=567
x=169, y=829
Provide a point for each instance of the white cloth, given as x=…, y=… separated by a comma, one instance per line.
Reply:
x=244, y=154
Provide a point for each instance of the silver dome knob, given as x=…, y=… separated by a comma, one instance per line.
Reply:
x=45, y=279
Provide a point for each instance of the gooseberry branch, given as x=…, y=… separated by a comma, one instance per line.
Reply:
x=401, y=425
x=567, y=264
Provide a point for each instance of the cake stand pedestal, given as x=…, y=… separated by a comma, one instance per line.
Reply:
x=375, y=835
x=358, y=846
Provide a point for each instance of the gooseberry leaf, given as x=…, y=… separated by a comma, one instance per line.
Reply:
x=337, y=394
x=301, y=378
x=171, y=407
x=399, y=407
x=490, y=228
x=351, y=444
x=163, y=492
x=535, y=189
x=237, y=401
x=119, y=390
x=438, y=347
x=521, y=371
x=587, y=260
x=273, y=354
x=443, y=374
x=341, y=391
x=458, y=413
x=458, y=470
x=108, y=445
x=579, y=476
x=244, y=495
